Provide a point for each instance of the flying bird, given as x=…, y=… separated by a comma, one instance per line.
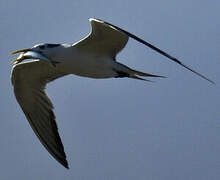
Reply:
x=93, y=57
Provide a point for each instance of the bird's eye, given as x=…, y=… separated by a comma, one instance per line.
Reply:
x=52, y=45
x=42, y=47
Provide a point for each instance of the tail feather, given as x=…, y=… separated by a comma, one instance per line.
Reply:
x=146, y=74
x=124, y=71
x=136, y=77
x=134, y=74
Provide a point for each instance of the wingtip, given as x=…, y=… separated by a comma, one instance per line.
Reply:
x=211, y=81
x=65, y=164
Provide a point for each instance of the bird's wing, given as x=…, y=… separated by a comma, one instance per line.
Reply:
x=110, y=39
x=104, y=39
x=29, y=80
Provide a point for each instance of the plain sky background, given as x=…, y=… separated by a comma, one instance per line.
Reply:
x=116, y=129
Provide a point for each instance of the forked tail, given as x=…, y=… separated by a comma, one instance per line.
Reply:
x=124, y=71
x=135, y=75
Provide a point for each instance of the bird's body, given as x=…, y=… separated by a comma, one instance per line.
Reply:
x=87, y=64
x=93, y=57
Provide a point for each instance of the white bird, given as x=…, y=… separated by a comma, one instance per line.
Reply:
x=93, y=56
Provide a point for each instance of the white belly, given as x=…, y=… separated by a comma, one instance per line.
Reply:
x=88, y=65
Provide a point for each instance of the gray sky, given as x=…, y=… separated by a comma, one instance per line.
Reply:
x=119, y=128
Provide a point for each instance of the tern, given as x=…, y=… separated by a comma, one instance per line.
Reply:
x=93, y=57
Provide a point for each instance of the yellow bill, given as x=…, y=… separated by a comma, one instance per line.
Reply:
x=21, y=57
x=20, y=51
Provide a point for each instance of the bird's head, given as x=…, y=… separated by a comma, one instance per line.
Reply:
x=40, y=51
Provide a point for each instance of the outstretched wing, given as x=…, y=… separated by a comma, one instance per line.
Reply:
x=29, y=80
x=104, y=39
x=111, y=39
x=159, y=51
